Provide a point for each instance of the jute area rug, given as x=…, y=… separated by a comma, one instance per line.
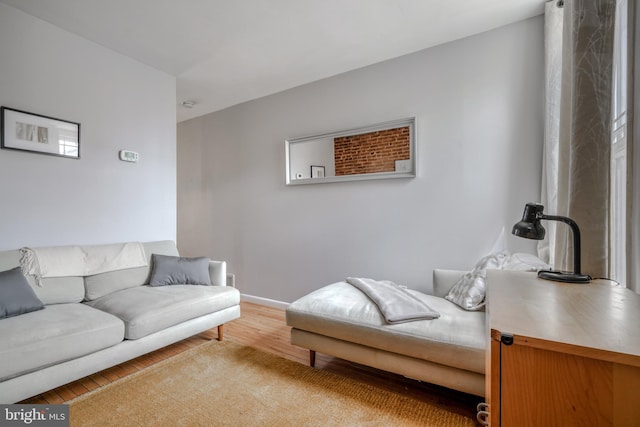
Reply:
x=228, y=384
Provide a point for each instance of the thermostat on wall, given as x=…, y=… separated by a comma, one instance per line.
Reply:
x=129, y=156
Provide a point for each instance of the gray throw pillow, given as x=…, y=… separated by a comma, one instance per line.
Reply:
x=173, y=270
x=16, y=295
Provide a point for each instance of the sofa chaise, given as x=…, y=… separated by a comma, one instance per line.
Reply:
x=341, y=321
x=90, y=323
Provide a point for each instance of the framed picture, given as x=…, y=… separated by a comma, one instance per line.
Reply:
x=39, y=134
x=317, y=171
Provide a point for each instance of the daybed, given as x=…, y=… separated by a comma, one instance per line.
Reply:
x=90, y=323
x=342, y=321
x=449, y=350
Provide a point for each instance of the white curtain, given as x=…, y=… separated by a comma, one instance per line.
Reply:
x=553, y=17
x=579, y=44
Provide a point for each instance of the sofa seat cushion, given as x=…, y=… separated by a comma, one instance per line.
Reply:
x=339, y=310
x=146, y=309
x=58, y=333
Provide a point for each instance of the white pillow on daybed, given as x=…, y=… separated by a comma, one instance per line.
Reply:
x=469, y=291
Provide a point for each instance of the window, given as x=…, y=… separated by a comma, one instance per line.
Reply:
x=619, y=158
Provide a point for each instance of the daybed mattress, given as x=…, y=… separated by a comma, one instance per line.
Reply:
x=342, y=311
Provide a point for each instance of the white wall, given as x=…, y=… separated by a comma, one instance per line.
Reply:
x=478, y=105
x=121, y=104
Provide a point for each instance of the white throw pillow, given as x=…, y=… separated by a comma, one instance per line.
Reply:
x=469, y=291
x=525, y=262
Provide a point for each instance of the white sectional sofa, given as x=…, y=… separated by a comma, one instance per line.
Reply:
x=90, y=323
x=340, y=320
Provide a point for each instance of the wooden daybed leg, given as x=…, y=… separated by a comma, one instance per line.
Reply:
x=220, y=332
x=312, y=358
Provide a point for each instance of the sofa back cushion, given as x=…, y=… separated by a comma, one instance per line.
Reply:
x=102, y=284
x=56, y=290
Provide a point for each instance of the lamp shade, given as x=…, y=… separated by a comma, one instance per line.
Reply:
x=529, y=226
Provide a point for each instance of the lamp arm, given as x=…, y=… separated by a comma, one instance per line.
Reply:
x=576, y=237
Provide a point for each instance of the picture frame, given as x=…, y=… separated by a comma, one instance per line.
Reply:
x=317, y=171
x=24, y=131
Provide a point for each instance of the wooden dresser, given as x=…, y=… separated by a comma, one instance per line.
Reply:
x=561, y=354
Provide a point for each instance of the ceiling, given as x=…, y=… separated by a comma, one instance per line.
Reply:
x=224, y=52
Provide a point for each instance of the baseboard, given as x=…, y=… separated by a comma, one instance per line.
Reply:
x=264, y=301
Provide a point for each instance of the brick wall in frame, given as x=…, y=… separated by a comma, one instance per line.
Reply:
x=371, y=152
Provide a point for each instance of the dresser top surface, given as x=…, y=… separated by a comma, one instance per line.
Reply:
x=595, y=315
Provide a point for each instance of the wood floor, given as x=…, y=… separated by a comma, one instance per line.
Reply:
x=264, y=328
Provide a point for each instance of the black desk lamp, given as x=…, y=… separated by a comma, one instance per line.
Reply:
x=530, y=228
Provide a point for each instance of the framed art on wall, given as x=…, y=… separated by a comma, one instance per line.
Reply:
x=39, y=134
x=317, y=171
x=378, y=151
